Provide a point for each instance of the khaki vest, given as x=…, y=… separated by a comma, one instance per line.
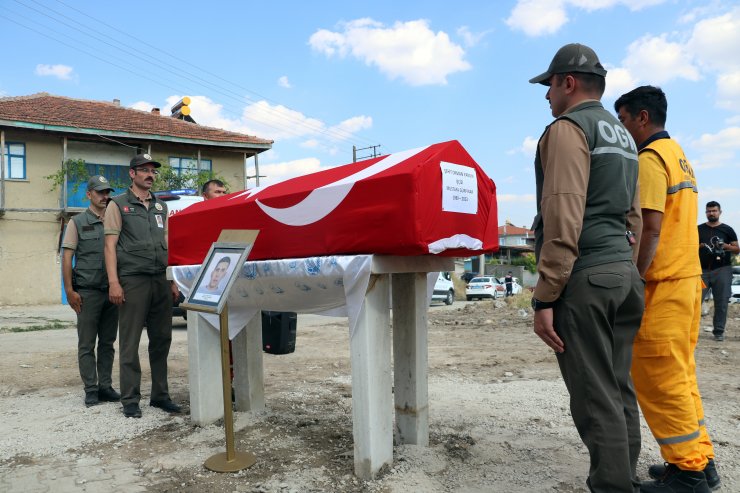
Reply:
x=89, y=271
x=141, y=247
x=611, y=187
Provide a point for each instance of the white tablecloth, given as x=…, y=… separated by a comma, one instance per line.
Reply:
x=333, y=286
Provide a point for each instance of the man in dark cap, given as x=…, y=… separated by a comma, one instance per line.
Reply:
x=136, y=260
x=86, y=287
x=588, y=300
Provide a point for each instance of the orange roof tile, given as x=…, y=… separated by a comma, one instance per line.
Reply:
x=47, y=109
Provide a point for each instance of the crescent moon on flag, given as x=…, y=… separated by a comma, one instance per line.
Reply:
x=323, y=200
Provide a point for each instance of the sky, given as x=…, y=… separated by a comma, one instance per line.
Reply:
x=321, y=77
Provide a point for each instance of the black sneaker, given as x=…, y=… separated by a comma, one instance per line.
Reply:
x=676, y=480
x=91, y=398
x=132, y=410
x=657, y=471
x=719, y=337
x=166, y=405
x=109, y=395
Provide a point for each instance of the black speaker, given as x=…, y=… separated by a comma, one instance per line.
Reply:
x=278, y=332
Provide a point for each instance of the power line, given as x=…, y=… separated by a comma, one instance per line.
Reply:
x=336, y=134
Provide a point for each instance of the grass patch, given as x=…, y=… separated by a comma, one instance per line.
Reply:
x=521, y=300
x=51, y=325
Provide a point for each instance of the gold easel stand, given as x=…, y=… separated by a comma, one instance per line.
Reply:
x=231, y=460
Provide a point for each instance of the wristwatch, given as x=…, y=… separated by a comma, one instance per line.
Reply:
x=541, y=305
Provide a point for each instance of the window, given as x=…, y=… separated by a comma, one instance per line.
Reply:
x=15, y=160
x=187, y=164
x=522, y=241
x=77, y=189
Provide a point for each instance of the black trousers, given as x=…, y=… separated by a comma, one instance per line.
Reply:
x=720, y=282
x=597, y=317
x=148, y=302
x=98, y=321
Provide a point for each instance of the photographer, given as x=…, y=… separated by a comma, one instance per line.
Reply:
x=717, y=244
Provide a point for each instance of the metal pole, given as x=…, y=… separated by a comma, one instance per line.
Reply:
x=231, y=461
x=354, y=154
x=246, y=172
x=2, y=169
x=63, y=198
x=256, y=169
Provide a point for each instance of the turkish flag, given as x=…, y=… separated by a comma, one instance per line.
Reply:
x=430, y=200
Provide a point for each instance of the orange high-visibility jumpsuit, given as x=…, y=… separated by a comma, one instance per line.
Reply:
x=663, y=365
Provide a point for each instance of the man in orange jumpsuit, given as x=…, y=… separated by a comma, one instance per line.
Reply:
x=663, y=365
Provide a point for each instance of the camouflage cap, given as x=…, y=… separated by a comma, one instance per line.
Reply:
x=572, y=57
x=141, y=159
x=99, y=183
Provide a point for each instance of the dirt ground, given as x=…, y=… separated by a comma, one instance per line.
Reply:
x=499, y=418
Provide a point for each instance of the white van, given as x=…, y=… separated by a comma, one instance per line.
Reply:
x=444, y=290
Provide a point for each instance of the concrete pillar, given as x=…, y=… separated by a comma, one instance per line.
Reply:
x=372, y=408
x=410, y=367
x=204, y=371
x=249, y=385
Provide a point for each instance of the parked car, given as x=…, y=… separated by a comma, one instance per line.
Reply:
x=444, y=290
x=516, y=288
x=468, y=276
x=484, y=287
x=735, y=295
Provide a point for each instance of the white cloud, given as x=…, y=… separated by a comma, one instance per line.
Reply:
x=619, y=80
x=528, y=147
x=409, y=50
x=353, y=125
x=728, y=91
x=715, y=41
x=657, y=60
x=717, y=150
x=269, y=121
x=142, y=106
x=284, y=82
x=470, y=38
x=542, y=17
x=277, y=172
x=63, y=72
x=538, y=17
x=728, y=138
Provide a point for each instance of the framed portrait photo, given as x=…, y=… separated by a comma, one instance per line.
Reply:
x=217, y=274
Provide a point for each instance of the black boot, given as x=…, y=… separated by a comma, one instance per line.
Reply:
x=676, y=480
x=657, y=471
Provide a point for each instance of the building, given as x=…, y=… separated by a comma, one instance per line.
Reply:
x=41, y=132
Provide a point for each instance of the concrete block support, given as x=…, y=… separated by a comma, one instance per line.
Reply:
x=204, y=372
x=249, y=384
x=372, y=408
x=410, y=366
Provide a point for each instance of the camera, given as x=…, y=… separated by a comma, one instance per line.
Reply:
x=716, y=246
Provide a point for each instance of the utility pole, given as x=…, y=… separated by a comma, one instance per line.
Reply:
x=374, y=154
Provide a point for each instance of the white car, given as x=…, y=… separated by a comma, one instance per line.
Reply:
x=485, y=287
x=735, y=288
x=516, y=288
x=444, y=290
x=177, y=200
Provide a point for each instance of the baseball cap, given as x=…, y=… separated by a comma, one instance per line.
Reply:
x=573, y=57
x=99, y=183
x=140, y=159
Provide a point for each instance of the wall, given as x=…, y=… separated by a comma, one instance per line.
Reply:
x=29, y=241
x=30, y=265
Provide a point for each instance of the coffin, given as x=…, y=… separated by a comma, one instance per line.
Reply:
x=429, y=200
